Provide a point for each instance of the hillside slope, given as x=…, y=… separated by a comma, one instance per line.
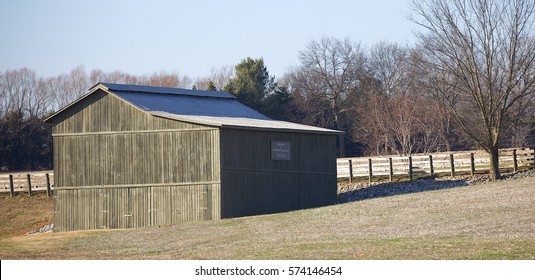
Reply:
x=488, y=221
x=21, y=213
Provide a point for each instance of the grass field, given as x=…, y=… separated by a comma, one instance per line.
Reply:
x=488, y=221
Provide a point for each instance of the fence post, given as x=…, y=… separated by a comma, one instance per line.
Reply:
x=452, y=166
x=515, y=162
x=390, y=169
x=29, y=185
x=47, y=185
x=350, y=171
x=431, y=168
x=11, y=191
x=472, y=164
x=370, y=172
x=410, y=168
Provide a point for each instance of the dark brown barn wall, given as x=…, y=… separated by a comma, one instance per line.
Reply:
x=118, y=167
x=253, y=183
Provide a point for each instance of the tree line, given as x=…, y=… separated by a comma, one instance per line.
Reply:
x=469, y=82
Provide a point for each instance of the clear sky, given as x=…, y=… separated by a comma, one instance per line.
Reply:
x=187, y=37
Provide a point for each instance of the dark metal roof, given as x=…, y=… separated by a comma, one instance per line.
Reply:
x=165, y=90
x=190, y=105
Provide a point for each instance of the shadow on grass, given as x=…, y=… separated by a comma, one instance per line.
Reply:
x=398, y=188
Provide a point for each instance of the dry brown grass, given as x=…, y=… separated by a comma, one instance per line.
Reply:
x=21, y=213
x=490, y=221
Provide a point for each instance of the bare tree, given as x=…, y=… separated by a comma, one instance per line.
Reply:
x=161, y=79
x=403, y=124
x=99, y=76
x=19, y=91
x=77, y=83
x=395, y=116
x=390, y=116
x=219, y=77
x=327, y=83
x=389, y=63
x=65, y=88
x=485, y=51
x=55, y=87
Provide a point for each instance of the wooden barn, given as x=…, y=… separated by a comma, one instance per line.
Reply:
x=133, y=156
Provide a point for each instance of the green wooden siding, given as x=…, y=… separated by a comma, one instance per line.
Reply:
x=253, y=183
x=103, y=112
x=137, y=158
x=104, y=208
x=119, y=167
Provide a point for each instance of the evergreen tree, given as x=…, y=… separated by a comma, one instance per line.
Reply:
x=251, y=83
x=276, y=105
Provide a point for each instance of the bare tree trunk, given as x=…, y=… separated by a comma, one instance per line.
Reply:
x=494, y=163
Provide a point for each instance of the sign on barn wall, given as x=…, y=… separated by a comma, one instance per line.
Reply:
x=280, y=150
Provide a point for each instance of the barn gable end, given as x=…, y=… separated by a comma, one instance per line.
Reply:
x=102, y=111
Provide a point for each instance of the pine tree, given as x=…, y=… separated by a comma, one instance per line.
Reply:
x=251, y=83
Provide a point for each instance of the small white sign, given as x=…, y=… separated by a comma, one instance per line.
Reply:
x=281, y=150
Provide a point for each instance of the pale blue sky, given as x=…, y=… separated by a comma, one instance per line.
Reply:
x=187, y=37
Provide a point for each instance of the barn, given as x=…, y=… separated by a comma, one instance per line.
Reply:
x=129, y=156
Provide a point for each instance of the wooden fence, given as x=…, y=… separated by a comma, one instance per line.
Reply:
x=27, y=182
x=431, y=164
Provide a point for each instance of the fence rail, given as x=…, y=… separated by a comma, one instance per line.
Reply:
x=27, y=182
x=431, y=164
